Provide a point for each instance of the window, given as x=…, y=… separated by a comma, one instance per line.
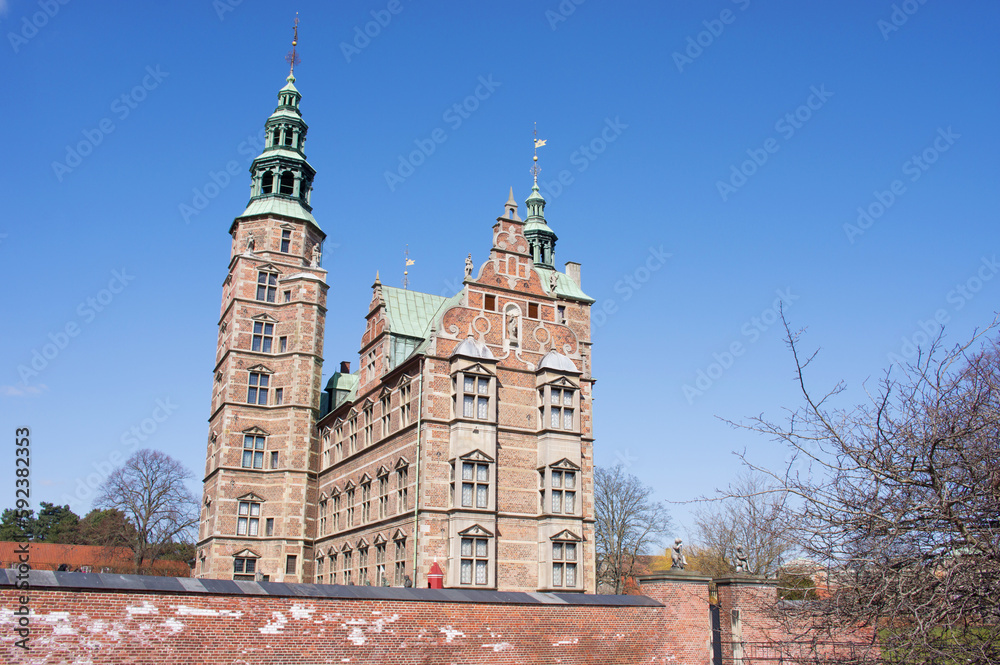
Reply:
x=404, y=405
x=319, y=569
x=257, y=388
x=269, y=526
x=401, y=489
x=333, y=567
x=263, y=336
x=323, y=505
x=347, y=568
x=532, y=310
x=561, y=314
x=370, y=367
x=267, y=286
x=286, y=241
x=362, y=565
x=338, y=443
x=253, y=451
x=279, y=396
x=475, y=561
x=244, y=568
x=283, y=343
x=352, y=438
x=267, y=183
x=248, y=518
x=287, y=296
x=400, y=561
x=336, y=513
x=475, y=485
x=475, y=397
x=560, y=407
x=564, y=492
x=383, y=495
x=369, y=416
x=274, y=459
x=384, y=416
x=350, y=508
x=380, y=578
x=366, y=503
x=286, y=185
x=490, y=303
x=564, y=564
x=291, y=564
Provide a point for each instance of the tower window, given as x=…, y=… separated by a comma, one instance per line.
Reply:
x=564, y=492
x=490, y=303
x=253, y=452
x=267, y=183
x=263, y=335
x=560, y=407
x=269, y=526
x=282, y=344
x=244, y=568
x=279, y=396
x=288, y=296
x=276, y=136
x=286, y=241
x=287, y=184
x=475, y=485
x=288, y=133
x=257, y=388
x=532, y=310
x=248, y=519
x=475, y=396
x=564, y=564
x=274, y=459
x=291, y=564
x=267, y=286
x=380, y=578
x=475, y=561
x=400, y=561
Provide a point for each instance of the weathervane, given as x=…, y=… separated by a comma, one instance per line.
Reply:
x=535, y=168
x=407, y=262
x=293, y=58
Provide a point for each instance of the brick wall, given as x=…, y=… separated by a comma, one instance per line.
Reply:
x=86, y=619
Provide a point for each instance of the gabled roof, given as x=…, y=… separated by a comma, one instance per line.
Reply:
x=408, y=312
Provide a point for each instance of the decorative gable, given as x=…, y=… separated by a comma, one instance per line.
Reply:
x=476, y=456
x=256, y=431
x=246, y=553
x=566, y=534
x=476, y=530
x=380, y=539
x=264, y=318
x=250, y=497
x=263, y=369
x=565, y=463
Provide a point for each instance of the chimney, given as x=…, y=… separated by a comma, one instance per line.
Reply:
x=573, y=272
x=345, y=366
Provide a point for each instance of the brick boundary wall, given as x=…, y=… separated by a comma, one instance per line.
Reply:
x=107, y=618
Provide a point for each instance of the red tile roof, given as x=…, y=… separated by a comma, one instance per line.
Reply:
x=49, y=556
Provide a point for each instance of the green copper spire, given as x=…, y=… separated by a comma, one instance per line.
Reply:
x=540, y=237
x=281, y=178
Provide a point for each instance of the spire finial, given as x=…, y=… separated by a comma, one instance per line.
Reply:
x=293, y=58
x=535, y=169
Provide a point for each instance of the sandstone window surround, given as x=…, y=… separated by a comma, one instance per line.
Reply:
x=286, y=241
x=363, y=562
x=474, y=393
x=472, y=478
x=559, y=406
x=402, y=484
x=254, y=443
x=267, y=284
x=335, y=499
x=248, y=513
x=566, y=557
x=559, y=489
x=476, y=566
x=258, y=385
x=399, y=538
x=380, y=574
x=383, y=493
x=245, y=565
x=347, y=554
x=324, y=506
x=384, y=412
x=366, y=499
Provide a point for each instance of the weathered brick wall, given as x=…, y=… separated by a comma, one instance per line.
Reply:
x=128, y=625
x=686, y=626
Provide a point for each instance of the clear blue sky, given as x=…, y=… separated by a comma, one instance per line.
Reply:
x=832, y=99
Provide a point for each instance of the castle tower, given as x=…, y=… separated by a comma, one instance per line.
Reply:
x=259, y=496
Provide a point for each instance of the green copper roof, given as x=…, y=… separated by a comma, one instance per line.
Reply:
x=410, y=312
x=278, y=206
x=565, y=287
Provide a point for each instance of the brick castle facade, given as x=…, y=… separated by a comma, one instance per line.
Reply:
x=462, y=441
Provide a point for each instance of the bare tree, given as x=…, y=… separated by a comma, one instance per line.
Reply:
x=751, y=514
x=628, y=523
x=899, y=500
x=150, y=490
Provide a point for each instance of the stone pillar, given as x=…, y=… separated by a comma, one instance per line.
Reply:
x=687, y=627
x=744, y=602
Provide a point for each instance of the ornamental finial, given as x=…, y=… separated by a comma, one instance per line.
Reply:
x=293, y=57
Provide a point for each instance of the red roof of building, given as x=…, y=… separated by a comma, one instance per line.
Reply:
x=49, y=556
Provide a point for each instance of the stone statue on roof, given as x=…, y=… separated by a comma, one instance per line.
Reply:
x=677, y=560
x=250, y=242
x=315, y=256
x=468, y=265
x=553, y=281
x=741, y=560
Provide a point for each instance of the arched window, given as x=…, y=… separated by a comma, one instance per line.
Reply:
x=267, y=183
x=276, y=137
x=288, y=137
x=287, y=185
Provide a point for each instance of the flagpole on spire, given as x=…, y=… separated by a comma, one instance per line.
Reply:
x=407, y=262
x=293, y=57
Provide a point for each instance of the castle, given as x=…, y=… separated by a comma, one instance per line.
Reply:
x=462, y=442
